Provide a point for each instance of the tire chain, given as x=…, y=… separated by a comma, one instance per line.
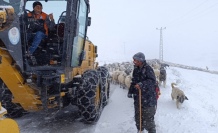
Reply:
x=87, y=95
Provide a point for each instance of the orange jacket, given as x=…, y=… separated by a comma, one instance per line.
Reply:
x=40, y=16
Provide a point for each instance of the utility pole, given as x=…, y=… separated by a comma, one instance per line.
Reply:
x=124, y=48
x=161, y=44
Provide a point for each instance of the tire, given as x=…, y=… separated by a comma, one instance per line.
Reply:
x=103, y=71
x=90, y=97
x=14, y=110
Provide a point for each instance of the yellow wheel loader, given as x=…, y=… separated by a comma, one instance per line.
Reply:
x=63, y=69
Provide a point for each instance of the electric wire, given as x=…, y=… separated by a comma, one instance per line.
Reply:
x=189, y=16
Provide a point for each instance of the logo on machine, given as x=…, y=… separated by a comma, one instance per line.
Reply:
x=14, y=35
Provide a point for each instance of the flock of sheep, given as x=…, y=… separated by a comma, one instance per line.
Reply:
x=121, y=73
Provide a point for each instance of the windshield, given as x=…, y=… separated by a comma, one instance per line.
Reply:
x=4, y=4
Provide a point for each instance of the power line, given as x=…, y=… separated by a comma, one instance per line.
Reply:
x=182, y=16
x=197, y=15
x=190, y=15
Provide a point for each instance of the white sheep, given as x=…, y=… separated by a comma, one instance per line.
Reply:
x=121, y=79
x=157, y=74
x=115, y=75
x=156, y=66
x=128, y=81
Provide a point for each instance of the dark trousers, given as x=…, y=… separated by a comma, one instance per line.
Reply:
x=37, y=38
x=147, y=118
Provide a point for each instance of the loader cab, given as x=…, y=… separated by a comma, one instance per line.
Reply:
x=63, y=47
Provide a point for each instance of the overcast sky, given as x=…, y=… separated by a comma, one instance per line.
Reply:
x=122, y=28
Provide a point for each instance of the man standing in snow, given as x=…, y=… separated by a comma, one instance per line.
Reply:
x=144, y=80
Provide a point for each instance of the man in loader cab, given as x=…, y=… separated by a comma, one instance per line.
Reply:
x=38, y=27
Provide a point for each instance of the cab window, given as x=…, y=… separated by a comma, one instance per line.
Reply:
x=79, y=40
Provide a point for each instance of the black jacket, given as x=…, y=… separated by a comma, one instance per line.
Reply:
x=145, y=78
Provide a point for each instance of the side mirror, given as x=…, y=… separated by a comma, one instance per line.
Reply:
x=89, y=21
x=96, y=48
x=82, y=56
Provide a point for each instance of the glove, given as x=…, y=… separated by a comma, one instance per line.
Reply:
x=130, y=92
x=129, y=95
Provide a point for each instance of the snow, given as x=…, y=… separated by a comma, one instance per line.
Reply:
x=118, y=116
x=2, y=110
x=199, y=114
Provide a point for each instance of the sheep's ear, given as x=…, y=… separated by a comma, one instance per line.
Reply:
x=186, y=98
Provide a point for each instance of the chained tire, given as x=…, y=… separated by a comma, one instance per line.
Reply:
x=14, y=110
x=103, y=71
x=90, y=96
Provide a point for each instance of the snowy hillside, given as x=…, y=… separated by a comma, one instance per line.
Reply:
x=199, y=114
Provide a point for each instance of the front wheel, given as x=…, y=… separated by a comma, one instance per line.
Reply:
x=90, y=97
x=103, y=71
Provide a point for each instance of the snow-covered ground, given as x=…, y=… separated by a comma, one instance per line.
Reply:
x=199, y=114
